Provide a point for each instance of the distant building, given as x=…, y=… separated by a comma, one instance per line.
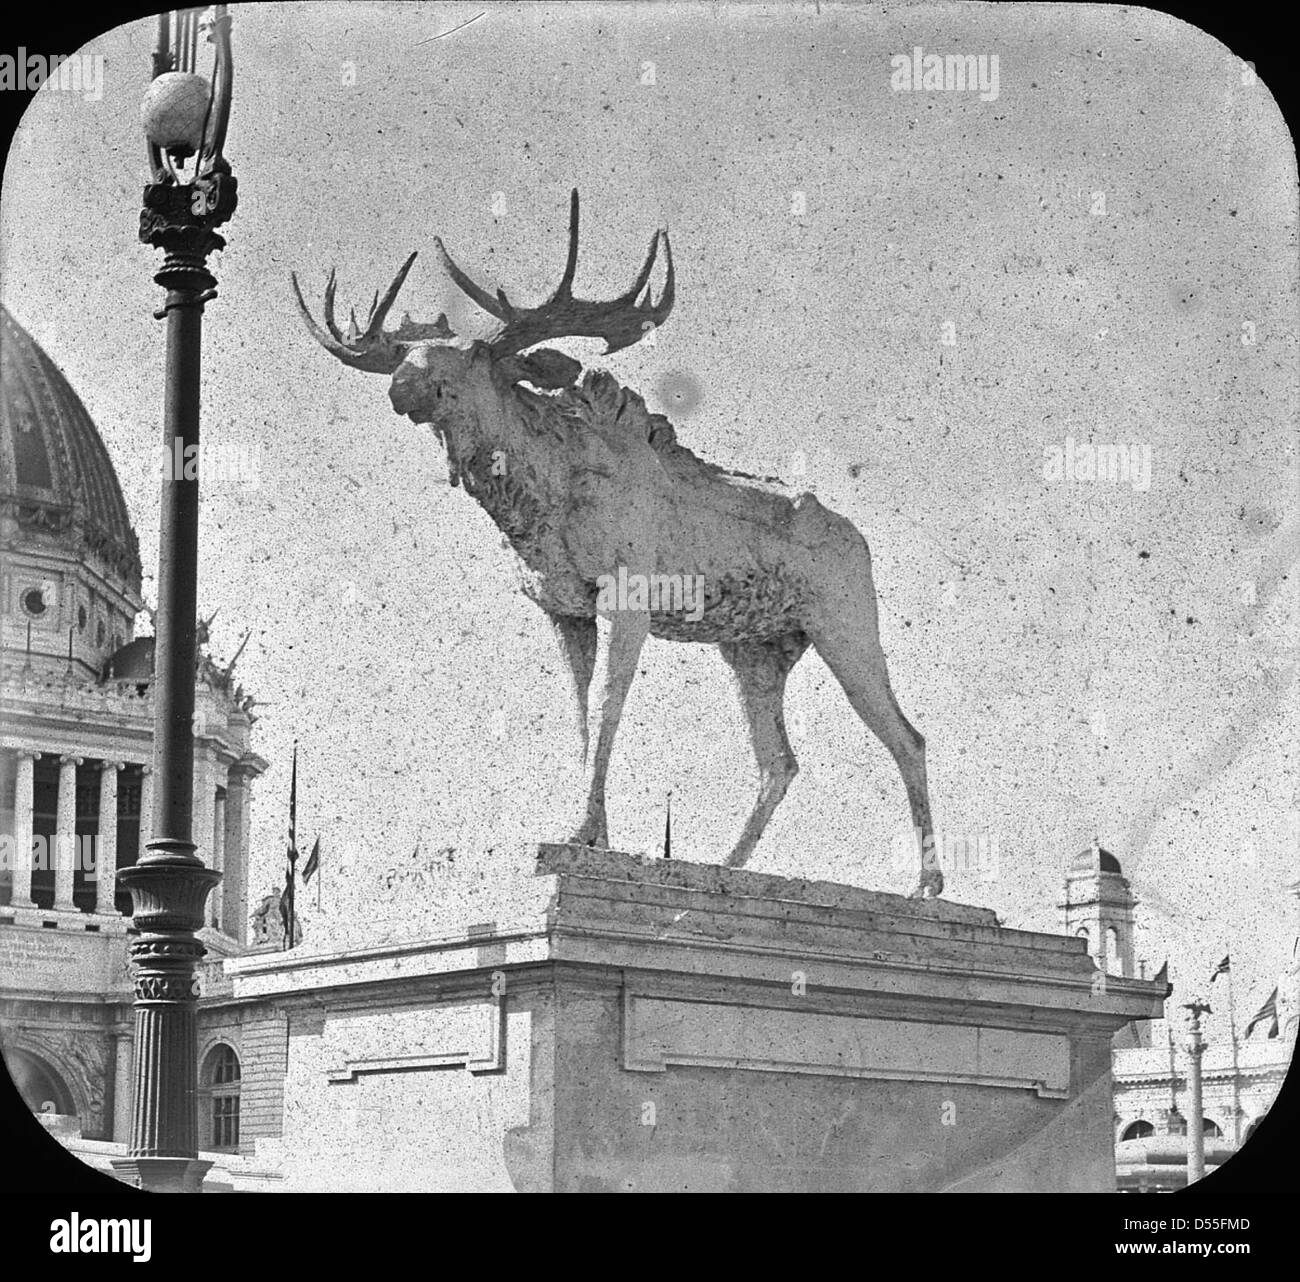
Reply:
x=76, y=708
x=1150, y=1074
x=1151, y=1104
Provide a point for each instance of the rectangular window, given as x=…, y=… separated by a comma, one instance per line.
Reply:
x=225, y=1121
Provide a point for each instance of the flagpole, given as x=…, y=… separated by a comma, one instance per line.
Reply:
x=1173, y=1072
x=1236, y=1085
x=293, y=843
x=292, y=851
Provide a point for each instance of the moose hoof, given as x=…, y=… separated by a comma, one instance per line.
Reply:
x=591, y=836
x=930, y=886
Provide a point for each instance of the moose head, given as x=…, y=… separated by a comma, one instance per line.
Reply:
x=587, y=486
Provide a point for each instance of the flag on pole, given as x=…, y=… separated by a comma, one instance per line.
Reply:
x=313, y=862
x=293, y=810
x=1222, y=968
x=1267, y=1015
x=286, y=898
x=286, y=911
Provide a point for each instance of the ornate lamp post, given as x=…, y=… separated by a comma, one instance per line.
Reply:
x=191, y=193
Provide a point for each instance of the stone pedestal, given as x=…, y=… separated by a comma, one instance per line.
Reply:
x=161, y=1174
x=650, y=1026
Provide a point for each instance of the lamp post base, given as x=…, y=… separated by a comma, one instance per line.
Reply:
x=162, y=1174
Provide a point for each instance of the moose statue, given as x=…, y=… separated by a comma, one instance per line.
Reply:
x=586, y=484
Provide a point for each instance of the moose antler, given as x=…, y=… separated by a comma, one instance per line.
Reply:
x=620, y=322
x=374, y=349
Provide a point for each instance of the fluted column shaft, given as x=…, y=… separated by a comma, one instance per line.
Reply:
x=202, y=806
x=24, y=802
x=106, y=864
x=234, y=868
x=219, y=857
x=165, y=1119
x=65, y=835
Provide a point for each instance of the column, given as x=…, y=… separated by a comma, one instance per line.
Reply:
x=217, y=913
x=122, y=1086
x=235, y=860
x=106, y=865
x=1195, y=1134
x=23, y=802
x=204, y=795
x=146, y=806
x=65, y=835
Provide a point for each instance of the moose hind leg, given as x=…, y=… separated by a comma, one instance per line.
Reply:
x=761, y=670
x=859, y=665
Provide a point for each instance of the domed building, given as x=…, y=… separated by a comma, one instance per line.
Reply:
x=76, y=708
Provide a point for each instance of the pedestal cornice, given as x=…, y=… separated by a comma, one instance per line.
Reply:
x=601, y=910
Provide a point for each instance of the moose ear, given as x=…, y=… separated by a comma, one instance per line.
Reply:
x=544, y=368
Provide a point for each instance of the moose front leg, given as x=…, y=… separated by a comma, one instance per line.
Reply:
x=578, y=644
x=620, y=636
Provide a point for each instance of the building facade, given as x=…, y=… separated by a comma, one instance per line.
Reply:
x=76, y=735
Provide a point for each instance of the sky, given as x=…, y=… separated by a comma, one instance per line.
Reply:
x=909, y=301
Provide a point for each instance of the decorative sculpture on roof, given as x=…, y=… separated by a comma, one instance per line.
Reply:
x=267, y=926
x=612, y=517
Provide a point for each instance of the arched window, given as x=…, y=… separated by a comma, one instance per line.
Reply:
x=1212, y=1129
x=41, y=1087
x=1139, y=1130
x=221, y=1078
